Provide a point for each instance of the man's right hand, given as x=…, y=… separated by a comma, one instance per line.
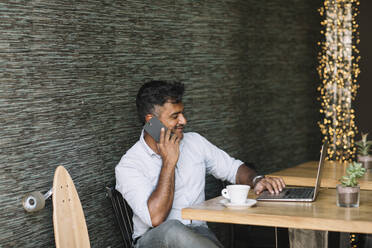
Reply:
x=161, y=199
x=169, y=147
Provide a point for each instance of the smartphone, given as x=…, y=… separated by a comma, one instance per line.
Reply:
x=153, y=127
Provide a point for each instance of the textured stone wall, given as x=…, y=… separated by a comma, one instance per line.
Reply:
x=69, y=72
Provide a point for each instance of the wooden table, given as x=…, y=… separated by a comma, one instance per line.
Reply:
x=305, y=175
x=323, y=214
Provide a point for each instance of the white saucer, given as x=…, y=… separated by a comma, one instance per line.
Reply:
x=248, y=203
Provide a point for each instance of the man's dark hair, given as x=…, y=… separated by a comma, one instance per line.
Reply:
x=157, y=93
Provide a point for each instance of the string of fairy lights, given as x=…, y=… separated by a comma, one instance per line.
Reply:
x=338, y=70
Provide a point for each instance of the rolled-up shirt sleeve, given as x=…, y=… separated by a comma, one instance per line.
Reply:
x=219, y=163
x=135, y=187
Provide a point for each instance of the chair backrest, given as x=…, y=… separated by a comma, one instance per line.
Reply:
x=123, y=215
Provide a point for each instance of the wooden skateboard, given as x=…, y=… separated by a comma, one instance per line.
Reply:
x=70, y=229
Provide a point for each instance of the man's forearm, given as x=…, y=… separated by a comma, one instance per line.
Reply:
x=161, y=199
x=245, y=175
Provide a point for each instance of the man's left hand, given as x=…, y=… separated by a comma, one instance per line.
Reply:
x=273, y=184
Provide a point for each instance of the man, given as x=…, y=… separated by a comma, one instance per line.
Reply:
x=159, y=179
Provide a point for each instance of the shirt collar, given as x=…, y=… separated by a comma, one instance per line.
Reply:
x=146, y=146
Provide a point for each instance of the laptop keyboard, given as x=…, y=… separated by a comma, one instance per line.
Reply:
x=299, y=193
x=289, y=193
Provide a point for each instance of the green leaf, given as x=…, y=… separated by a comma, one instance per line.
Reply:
x=353, y=172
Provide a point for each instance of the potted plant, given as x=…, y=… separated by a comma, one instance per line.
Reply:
x=364, y=147
x=348, y=191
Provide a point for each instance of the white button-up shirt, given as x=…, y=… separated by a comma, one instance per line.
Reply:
x=138, y=172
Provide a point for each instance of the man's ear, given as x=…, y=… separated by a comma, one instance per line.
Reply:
x=148, y=117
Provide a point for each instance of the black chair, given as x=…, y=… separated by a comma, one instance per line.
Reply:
x=123, y=215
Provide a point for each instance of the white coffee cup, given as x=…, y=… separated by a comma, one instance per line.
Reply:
x=237, y=193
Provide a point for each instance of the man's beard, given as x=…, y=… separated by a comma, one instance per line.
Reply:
x=178, y=128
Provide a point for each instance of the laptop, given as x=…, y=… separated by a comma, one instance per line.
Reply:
x=299, y=194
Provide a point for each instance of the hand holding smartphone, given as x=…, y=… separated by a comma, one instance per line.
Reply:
x=153, y=127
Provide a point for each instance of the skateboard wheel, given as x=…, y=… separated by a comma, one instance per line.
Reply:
x=33, y=201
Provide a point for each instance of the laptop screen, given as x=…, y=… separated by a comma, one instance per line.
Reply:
x=323, y=154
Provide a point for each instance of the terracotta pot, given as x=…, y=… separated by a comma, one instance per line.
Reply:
x=366, y=161
x=348, y=197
